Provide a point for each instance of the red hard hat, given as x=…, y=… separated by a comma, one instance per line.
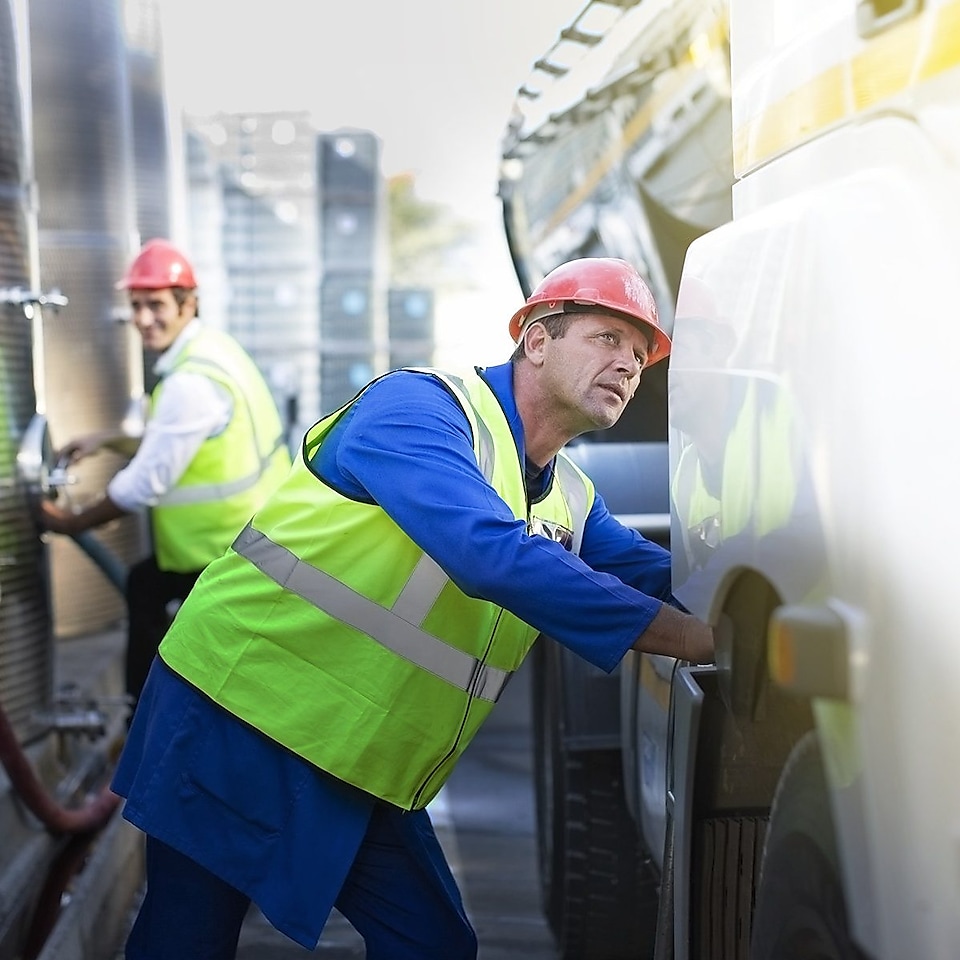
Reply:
x=158, y=265
x=602, y=282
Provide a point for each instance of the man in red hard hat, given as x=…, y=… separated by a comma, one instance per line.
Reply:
x=603, y=286
x=326, y=673
x=211, y=451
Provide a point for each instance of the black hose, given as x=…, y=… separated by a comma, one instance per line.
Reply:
x=109, y=563
x=663, y=946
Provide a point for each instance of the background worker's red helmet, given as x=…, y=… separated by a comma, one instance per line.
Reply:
x=604, y=282
x=158, y=265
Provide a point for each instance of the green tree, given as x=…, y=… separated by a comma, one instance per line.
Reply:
x=427, y=240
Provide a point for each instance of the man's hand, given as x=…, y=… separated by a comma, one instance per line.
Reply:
x=676, y=634
x=56, y=519
x=80, y=448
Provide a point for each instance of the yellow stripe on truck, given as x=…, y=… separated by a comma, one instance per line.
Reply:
x=890, y=63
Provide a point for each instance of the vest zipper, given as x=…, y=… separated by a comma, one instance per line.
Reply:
x=471, y=699
x=482, y=661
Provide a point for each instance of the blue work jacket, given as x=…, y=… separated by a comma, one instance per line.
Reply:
x=201, y=781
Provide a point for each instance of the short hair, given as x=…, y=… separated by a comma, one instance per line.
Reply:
x=181, y=294
x=556, y=325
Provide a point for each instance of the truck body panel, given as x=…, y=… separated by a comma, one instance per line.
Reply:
x=810, y=397
x=854, y=233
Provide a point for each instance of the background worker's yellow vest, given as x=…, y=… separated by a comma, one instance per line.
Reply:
x=233, y=472
x=329, y=630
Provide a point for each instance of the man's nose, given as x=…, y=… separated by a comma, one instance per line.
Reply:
x=629, y=363
x=141, y=316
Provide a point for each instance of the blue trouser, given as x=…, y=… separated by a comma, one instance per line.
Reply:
x=399, y=895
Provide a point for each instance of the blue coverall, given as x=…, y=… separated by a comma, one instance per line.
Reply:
x=231, y=817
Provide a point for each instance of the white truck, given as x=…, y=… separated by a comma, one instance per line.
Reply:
x=787, y=173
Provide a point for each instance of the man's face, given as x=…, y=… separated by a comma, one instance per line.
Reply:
x=158, y=317
x=593, y=370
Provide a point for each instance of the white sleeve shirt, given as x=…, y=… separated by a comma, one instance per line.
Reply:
x=190, y=409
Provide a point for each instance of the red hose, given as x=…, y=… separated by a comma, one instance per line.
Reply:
x=56, y=818
x=67, y=865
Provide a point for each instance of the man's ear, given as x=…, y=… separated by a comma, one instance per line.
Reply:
x=534, y=339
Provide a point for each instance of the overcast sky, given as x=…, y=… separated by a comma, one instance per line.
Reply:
x=434, y=79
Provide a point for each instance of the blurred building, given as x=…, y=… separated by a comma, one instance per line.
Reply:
x=150, y=124
x=253, y=227
x=410, y=312
x=353, y=252
x=205, y=217
x=289, y=232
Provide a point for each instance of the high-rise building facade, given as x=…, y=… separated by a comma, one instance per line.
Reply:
x=411, y=323
x=354, y=264
x=288, y=228
x=264, y=166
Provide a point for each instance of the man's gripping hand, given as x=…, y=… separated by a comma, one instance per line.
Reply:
x=677, y=634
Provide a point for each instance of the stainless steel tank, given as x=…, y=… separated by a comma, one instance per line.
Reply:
x=152, y=170
x=78, y=365
x=150, y=120
x=87, y=235
x=25, y=647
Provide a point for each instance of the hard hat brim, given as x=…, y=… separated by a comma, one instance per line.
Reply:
x=660, y=344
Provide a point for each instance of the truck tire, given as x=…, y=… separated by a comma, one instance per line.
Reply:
x=801, y=912
x=599, y=891
x=725, y=871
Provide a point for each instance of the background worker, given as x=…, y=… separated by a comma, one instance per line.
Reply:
x=211, y=451
x=323, y=677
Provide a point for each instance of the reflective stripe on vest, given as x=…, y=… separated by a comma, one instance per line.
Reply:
x=391, y=628
x=575, y=492
x=232, y=471
x=397, y=628
x=202, y=493
x=577, y=498
x=205, y=492
x=329, y=630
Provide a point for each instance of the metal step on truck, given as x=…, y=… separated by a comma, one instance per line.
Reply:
x=787, y=175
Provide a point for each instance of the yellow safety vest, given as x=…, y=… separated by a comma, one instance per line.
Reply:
x=232, y=473
x=328, y=629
